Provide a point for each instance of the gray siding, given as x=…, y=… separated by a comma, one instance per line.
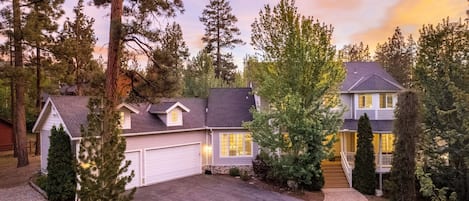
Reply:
x=347, y=103
x=385, y=115
x=370, y=113
x=217, y=160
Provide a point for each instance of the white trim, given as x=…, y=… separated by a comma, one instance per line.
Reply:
x=129, y=107
x=34, y=130
x=173, y=146
x=52, y=108
x=226, y=128
x=177, y=104
x=243, y=156
x=162, y=132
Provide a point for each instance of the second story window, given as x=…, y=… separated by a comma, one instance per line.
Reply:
x=385, y=101
x=365, y=101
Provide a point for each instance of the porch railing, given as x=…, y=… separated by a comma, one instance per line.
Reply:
x=346, y=167
x=386, y=159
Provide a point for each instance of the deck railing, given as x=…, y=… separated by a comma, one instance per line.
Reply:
x=346, y=167
x=386, y=159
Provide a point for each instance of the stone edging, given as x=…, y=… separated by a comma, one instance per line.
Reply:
x=37, y=188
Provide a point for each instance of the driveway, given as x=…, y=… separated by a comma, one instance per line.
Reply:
x=207, y=188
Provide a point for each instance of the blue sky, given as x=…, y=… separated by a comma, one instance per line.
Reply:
x=370, y=21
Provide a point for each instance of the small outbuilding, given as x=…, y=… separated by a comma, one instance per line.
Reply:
x=6, y=135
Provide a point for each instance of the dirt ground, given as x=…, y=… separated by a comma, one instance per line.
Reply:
x=12, y=176
x=375, y=198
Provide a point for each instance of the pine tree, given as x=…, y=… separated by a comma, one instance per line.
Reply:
x=220, y=33
x=165, y=72
x=398, y=57
x=74, y=52
x=407, y=130
x=355, y=53
x=363, y=175
x=442, y=75
x=294, y=80
x=101, y=159
x=61, y=175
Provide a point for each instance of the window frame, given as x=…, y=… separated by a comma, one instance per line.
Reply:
x=386, y=96
x=364, y=104
x=244, y=144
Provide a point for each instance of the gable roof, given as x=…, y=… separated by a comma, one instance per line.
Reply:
x=376, y=125
x=229, y=107
x=368, y=76
x=166, y=107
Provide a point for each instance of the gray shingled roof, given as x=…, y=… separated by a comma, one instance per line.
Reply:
x=74, y=111
x=368, y=76
x=161, y=107
x=229, y=107
x=376, y=125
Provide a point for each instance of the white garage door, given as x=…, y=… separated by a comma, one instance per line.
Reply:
x=135, y=166
x=170, y=163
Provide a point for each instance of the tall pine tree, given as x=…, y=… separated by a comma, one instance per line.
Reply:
x=398, y=57
x=407, y=130
x=363, y=175
x=101, y=158
x=355, y=53
x=442, y=74
x=74, y=52
x=220, y=33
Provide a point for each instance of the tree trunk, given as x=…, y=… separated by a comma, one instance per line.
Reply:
x=114, y=52
x=19, y=85
x=37, y=150
x=12, y=99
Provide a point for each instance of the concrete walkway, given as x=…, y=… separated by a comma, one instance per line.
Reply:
x=342, y=194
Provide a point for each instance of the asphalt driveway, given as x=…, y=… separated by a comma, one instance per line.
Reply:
x=207, y=188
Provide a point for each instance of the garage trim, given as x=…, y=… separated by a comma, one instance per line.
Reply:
x=140, y=165
x=164, y=147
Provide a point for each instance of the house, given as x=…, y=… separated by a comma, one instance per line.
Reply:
x=170, y=139
x=368, y=89
x=6, y=135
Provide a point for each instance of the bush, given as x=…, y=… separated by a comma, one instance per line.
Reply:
x=245, y=176
x=41, y=181
x=61, y=179
x=260, y=165
x=234, y=172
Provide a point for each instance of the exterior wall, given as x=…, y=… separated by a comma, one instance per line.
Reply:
x=230, y=161
x=51, y=120
x=347, y=102
x=166, y=140
x=375, y=112
x=45, y=143
x=6, y=137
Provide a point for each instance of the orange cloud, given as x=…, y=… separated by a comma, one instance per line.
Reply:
x=410, y=16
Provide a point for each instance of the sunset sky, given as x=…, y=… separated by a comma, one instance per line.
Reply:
x=370, y=21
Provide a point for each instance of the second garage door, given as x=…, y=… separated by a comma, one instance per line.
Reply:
x=172, y=162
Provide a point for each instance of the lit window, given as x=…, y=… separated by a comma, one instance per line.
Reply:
x=365, y=101
x=235, y=144
x=174, y=116
x=385, y=101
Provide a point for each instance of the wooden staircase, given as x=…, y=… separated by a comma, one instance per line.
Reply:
x=334, y=176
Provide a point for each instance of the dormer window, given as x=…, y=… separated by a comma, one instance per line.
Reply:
x=125, y=112
x=169, y=112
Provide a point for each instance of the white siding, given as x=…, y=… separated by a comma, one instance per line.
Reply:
x=346, y=100
x=52, y=119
